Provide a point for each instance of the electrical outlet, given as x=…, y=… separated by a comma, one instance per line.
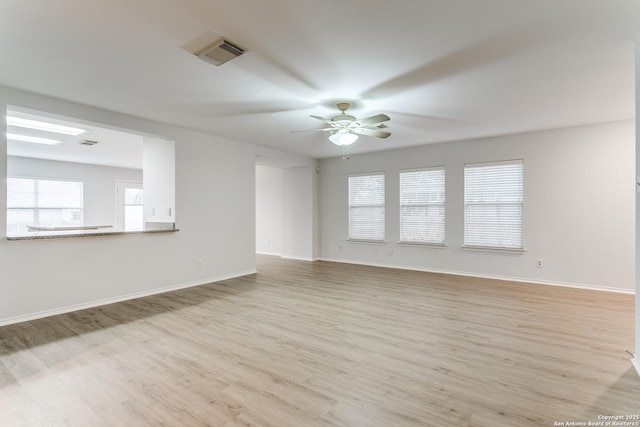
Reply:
x=539, y=263
x=199, y=264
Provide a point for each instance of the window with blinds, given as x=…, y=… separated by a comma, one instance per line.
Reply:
x=422, y=206
x=44, y=203
x=366, y=207
x=493, y=197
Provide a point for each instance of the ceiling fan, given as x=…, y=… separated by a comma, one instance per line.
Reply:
x=345, y=128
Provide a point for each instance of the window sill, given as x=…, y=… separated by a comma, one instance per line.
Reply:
x=427, y=245
x=366, y=241
x=494, y=249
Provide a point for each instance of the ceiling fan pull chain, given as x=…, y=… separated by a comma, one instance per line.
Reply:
x=345, y=152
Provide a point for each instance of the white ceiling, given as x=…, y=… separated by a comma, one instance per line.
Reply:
x=442, y=70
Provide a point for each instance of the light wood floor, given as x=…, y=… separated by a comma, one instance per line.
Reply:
x=322, y=344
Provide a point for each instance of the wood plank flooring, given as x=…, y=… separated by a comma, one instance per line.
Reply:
x=327, y=344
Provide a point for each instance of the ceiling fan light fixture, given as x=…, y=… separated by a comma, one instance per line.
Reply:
x=341, y=138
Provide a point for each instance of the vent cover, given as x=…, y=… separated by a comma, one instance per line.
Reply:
x=87, y=142
x=220, y=52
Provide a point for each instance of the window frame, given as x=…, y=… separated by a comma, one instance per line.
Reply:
x=501, y=246
x=350, y=207
x=440, y=243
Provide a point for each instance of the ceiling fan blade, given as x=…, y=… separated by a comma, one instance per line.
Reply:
x=321, y=119
x=374, y=126
x=367, y=121
x=312, y=130
x=372, y=132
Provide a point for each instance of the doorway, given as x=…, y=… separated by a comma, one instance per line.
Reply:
x=129, y=205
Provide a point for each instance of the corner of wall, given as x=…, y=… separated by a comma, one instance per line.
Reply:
x=3, y=170
x=635, y=361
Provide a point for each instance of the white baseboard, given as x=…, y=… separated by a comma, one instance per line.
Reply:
x=298, y=258
x=106, y=301
x=287, y=256
x=636, y=364
x=268, y=253
x=487, y=276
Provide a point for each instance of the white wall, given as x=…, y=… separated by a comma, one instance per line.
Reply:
x=158, y=165
x=99, y=183
x=268, y=210
x=299, y=213
x=578, y=207
x=215, y=203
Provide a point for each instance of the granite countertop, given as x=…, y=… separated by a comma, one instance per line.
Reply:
x=49, y=233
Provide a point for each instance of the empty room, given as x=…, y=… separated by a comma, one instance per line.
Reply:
x=302, y=213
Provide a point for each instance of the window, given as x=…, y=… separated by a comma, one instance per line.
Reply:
x=366, y=207
x=40, y=202
x=493, y=194
x=422, y=206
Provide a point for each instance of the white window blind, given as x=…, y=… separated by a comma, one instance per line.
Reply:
x=42, y=202
x=366, y=207
x=493, y=196
x=422, y=206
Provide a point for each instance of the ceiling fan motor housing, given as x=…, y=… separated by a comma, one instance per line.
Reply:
x=343, y=119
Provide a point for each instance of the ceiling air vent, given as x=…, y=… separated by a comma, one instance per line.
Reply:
x=220, y=52
x=87, y=142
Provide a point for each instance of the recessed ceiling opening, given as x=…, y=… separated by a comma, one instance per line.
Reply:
x=47, y=136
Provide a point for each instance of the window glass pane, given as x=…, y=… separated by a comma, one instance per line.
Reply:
x=494, y=205
x=133, y=218
x=422, y=224
x=59, y=194
x=366, y=207
x=59, y=217
x=422, y=209
x=366, y=190
x=19, y=219
x=133, y=196
x=365, y=223
x=21, y=193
